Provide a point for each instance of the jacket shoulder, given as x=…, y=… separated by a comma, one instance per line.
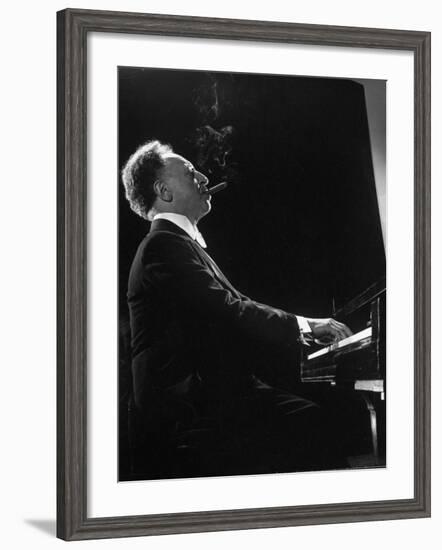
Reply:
x=164, y=243
x=164, y=237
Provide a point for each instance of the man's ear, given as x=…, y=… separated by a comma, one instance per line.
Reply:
x=162, y=191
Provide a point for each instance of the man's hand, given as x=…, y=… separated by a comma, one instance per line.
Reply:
x=327, y=331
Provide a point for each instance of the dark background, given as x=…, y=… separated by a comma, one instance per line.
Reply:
x=298, y=226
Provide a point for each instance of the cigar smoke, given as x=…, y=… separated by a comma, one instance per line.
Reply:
x=213, y=137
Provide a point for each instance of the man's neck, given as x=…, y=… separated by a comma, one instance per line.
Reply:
x=191, y=219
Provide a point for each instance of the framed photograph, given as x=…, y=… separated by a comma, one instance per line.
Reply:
x=243, y=274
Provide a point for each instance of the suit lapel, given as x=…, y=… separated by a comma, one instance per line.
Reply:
x=217, y=271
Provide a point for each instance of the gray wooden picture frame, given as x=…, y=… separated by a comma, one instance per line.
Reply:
x=73, y=26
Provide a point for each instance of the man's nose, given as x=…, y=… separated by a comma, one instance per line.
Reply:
x=202, y=179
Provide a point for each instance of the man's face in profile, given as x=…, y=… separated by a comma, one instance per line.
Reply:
x=187, y=186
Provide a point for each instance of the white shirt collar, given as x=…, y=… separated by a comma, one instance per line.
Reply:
x=183, y=223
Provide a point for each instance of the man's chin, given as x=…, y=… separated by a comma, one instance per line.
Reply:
x=207, y=208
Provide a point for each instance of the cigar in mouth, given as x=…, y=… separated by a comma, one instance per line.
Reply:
x=217, y=187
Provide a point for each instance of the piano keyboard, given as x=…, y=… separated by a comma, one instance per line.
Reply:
x=366, y=333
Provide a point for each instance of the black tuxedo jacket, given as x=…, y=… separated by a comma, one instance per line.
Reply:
x=195, y=338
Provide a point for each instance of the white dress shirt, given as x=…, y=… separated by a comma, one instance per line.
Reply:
x=185, y=224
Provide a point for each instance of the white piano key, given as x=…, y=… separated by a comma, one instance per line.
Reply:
x=367, y=332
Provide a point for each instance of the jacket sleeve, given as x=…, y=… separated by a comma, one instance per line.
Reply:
x=173, y=267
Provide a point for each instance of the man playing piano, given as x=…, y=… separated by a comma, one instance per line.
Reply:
x=204, y=355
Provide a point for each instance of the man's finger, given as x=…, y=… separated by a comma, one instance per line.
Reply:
x=343, y=329
x=346, y=330
x=340, y=334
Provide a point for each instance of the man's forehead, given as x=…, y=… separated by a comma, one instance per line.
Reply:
x=173, y=160
x=175, y=165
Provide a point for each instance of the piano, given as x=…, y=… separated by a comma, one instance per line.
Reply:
x=358, y=362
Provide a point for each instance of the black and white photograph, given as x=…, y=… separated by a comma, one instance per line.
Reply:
x=251, y=274
x=221, y=223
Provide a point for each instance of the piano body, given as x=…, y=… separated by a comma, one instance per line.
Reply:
x=357, y=363
x=347, y=279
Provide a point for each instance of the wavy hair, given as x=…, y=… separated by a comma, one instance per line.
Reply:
x=140, y=173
